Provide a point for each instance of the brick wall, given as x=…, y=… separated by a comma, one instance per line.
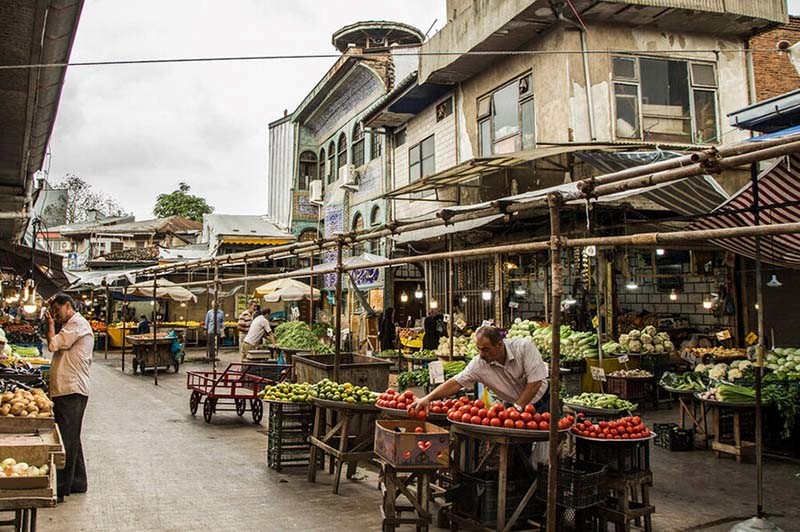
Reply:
x=774, y=72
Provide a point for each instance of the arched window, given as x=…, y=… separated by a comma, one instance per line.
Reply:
x=342, y=151
x=357, y=149
x=358, y=225
x=331, y=162
x=321, y=174
x=307, y=169
x=375, y=221
x=308, y=235
x=375, y=146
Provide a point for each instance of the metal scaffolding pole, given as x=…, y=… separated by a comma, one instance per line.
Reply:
x=554, y=203
x=451, y=320
x=155, y=334
x=337, y=356
x=124, y=317
x=108, y=318
x=215, y=349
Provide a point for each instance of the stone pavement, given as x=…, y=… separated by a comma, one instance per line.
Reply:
x=154, y=467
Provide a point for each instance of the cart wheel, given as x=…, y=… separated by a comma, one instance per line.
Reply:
x=258, y=409
x=194, y=401
x=241, y=406
x=208, y=408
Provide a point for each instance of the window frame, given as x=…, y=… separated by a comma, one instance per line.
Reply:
x=485, y=119
x=358, y=247
x=692, y=89
x=357, y=155
x=375, y=145
x=341, y=152
x=305, y=179
x=321, y=165
x=422, y=158
x=331, y=162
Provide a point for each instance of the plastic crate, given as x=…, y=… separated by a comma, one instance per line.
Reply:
x=475, y=496
x=580, y=484
x=621, y=457
x=289, y=426
x=673, y=438
x=628, y=389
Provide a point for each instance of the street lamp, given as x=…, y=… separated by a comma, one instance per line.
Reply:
x=403, y=297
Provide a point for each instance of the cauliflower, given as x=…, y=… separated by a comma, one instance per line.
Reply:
x=635, y=346
x=664, y=337
x=658, y=347
x=649, y=330
x=669, y=346
x=735, y=373
x=634, y=334
x=718, y=371
x=648, y=348
x=701, y=368
x=624, y=339
x=646, y=339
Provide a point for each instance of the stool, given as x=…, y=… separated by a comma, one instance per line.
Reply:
x=631, y=502
x=394, y=485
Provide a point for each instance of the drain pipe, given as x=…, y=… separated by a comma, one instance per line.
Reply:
x=585, y=56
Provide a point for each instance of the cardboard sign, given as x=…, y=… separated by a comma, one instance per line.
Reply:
x=751, y=338
x=598, y=374
x=622, y=359
x=436, y=371
x=724, y=335
x=487, y=323
x=446, y=318
x=330, y=332
x=345, y=332
x=461, y=323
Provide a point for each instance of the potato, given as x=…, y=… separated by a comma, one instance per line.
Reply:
x=44, y=414
x=17, y=409
x=32, y=414
x=32, y=408
x=5, y=409
x=7, y=397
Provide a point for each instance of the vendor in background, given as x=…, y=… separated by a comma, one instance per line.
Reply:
x=258, y=329
x=434, y=330
x=512, y=368
x=143, y=327
x=208, y=325
x=386, y=330
x=245, y=319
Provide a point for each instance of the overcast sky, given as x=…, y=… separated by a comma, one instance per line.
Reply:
x=136, y=131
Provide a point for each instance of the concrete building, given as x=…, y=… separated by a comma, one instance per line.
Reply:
x=774, y=73
x=231, y=233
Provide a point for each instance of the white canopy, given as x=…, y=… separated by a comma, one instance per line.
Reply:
x=286, y=290
x=164, y=290
x=365, y=260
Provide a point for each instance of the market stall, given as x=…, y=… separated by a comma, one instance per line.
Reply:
x=158, y=353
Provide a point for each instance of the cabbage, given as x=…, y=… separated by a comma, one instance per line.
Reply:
x=669, y=346
x=624, y=339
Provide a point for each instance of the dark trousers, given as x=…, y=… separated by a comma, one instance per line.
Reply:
x=68, y=410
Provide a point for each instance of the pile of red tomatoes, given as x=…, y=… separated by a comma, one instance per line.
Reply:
x=626, y=428
x=476, y=413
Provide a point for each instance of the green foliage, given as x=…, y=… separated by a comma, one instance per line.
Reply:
x=181, y=203
x=80, y=200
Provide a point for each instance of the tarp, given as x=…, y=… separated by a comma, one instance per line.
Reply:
x=286, y=290
x=164, y=290
x=432, y=232
x=779, y=202
x=365, y=260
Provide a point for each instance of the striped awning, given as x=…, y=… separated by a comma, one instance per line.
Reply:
x=779, y=202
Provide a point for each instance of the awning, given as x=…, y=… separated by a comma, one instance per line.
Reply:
x=164, y=290
x=286, y=290
x=769, y=115
x=779, y=201
x=48, y=271
x=365, y=260
x=96, y=277
x=432, y=232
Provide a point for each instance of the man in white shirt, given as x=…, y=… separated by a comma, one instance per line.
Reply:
x=72, y=351
x=258, y=329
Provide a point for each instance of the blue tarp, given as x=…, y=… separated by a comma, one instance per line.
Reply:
x=794, y=130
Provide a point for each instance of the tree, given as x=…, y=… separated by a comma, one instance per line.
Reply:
x=81, y=199
x=181, y=203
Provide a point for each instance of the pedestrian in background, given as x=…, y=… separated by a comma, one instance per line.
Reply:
x=386, y=330
x=214, y=330
x=72, y=351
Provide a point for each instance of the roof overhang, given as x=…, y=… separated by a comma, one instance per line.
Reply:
x=317, y=96
x=769, y=115
x=407, y=100
x=254, y=240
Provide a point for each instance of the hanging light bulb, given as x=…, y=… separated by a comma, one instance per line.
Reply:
x=631, y=284
x=29, y=306
x=673, y=295
x=403, y=297
x=660, y=252
x=464, y=299
x=707, y=303
x=486, y=295
x=183, y=303
x=756, y=305
x=520, y=291
x=418, y=293
x=774, y=282
x=434, y=304
x=510, y=266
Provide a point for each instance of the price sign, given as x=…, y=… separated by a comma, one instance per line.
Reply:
x=345, y=332
x=461, y=323
x=295, y=312
x=330, y=332
x=623, y=359
x=598, y=374
x=446, y=318
x=513, y=304
x=751, y=338
x=436, y=371
x=487, y=323
x=724, y=335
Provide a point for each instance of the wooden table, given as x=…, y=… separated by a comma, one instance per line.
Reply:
x=466, y=437
x=732, y=442
x=343, y=431
x=395, y=481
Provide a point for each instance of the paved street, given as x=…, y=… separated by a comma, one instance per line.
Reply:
x=153, y=467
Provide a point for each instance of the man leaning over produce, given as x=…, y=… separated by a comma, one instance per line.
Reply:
x=512, y=368
x=69, y=386
x=258, y=329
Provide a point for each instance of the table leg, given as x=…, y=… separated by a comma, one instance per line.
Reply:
x=737, y=435
x=682, y=405
x=312, y=456
x=502, y=480
x=390, y=496
x=343, y=437
x=717, y=426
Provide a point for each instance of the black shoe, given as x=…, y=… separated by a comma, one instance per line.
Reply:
x=79, y=491
x=60, y=499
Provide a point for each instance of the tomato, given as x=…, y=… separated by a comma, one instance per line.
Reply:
x=601, y=436
x=402, y=406
x=532, y=425
x=465, y=418
x=526, y=416
x=412, y=412
x=613, y=431
x=475, y=420
x=580, y=415
x=626, y=436
x=480, y=404
x=603, y=424
x=544, y=425
x=606, y=431
x=448, y=403
x=617, y=437
x=636, y=420
x=571, y=419
x=546, y=416
x=392, y=404
x=491, y=414
x=503, y=415
x=474, y=410
x=495, y=422
x=537, y=417
x=419, y=429
x=436, y=409
x=485, y=421
x=482, y=413
x=464, y=400
x=422, y=415
x=519, y=424
x=513, y=414
x=509, y=424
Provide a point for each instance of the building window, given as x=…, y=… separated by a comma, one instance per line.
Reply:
x=665, y=100
x=358, y=225
x=307, y=168
x=308, y=235
x=342, y=151
x=116, y=246
x=421, y=160
x=375, y=146
x=357, y=148
x=375, y=221
x=444, y=109
x=506, y=119
x=399, y=138
x=331, y=162
x=321, y=175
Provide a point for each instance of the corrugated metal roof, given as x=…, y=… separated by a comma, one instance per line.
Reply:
x=90, y=226
x=243, y=225
x=173, y=224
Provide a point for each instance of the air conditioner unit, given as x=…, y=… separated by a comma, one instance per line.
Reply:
x=315, y=192
x=349, y=176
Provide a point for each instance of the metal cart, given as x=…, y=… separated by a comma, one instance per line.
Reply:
x=232, y=389
x=151, y=354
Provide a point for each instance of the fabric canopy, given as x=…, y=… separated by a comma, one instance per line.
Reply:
x=164, y=290
x=365, y=260
x=286, y=290
x=779, y=202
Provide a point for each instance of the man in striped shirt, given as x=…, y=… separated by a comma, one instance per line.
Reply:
x=245, y=319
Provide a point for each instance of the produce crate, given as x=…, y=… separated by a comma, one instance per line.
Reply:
x=628, y=389
x=621, y=457
x=289, y=426
x=580, y=484
x=671, y=437
x=747, y=424
x=357, y=369
x=475, y=496
x=397, y=443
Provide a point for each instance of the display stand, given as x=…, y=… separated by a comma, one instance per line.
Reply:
x=732, y=428
x=395, y=481
x=631, y=495
x=693, y=409
x=466, y=440
x=344, y=432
